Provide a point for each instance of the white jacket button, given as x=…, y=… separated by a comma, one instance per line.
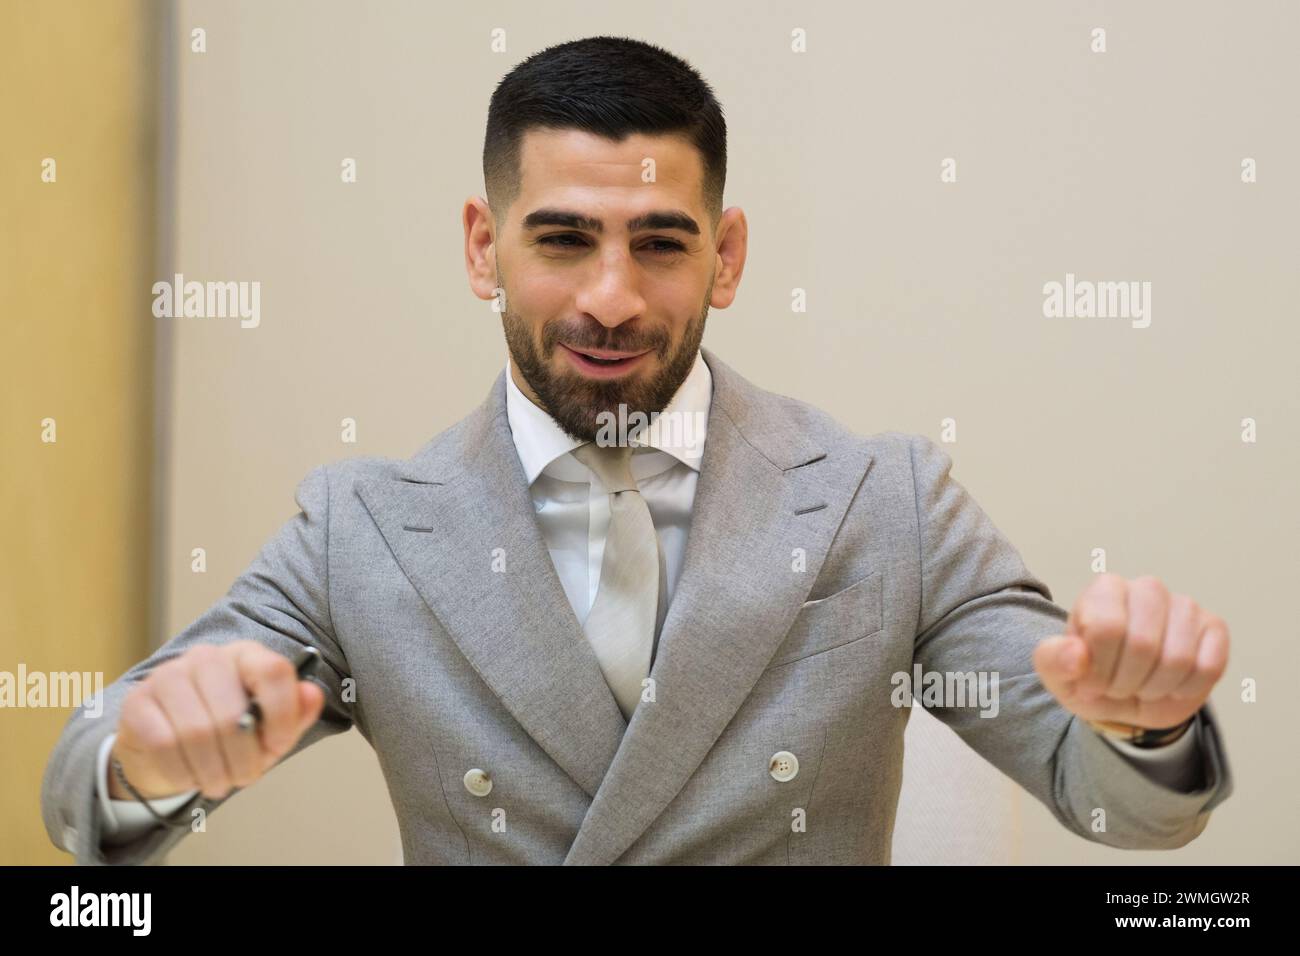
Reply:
x=478, y=782
x=783, y=766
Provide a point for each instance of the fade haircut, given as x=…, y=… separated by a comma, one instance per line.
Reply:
x=607, y=86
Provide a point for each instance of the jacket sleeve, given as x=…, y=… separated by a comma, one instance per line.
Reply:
x=282, y=601
x=981, y=610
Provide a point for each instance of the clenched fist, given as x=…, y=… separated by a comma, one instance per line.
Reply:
x=1133, y=653
x=179, y=727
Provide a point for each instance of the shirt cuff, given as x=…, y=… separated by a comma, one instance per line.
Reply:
x=1176, y=765
x=127, y=819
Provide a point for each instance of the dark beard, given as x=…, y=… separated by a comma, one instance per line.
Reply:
x=575, y=402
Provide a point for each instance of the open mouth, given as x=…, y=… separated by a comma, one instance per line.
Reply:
x=600, y=363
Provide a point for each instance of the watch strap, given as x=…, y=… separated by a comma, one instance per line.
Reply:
x=1144, y=737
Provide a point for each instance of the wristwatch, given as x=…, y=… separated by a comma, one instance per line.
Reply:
x=1144, y=737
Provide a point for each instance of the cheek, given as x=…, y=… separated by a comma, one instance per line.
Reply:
x=540, y=293
x=676, y=292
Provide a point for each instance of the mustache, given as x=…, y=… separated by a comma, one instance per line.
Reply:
x=612, y=340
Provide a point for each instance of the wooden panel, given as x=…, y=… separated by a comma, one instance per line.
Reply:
x=75, y=270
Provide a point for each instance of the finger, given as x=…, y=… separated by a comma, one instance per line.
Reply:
x=217, y=679
x=1060, y=660
x=1148, y=609
x=1178, y=654
x=145, y=734
x=272, y=680
x=1100, y=617
x=176, y=694
x=1211, y=661
x=311, y=701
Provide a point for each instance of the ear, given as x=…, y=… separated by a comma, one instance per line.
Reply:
x=480, y=247
x=733, y=246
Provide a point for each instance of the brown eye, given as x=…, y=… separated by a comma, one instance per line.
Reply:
x=666, y=246
x=558, y=241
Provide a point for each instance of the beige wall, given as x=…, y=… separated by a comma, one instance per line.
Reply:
x=925, y=303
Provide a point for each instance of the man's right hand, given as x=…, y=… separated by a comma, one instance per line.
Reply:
x=179, y=727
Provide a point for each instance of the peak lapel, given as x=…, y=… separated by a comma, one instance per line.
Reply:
x=454, y=504
x=765, y=488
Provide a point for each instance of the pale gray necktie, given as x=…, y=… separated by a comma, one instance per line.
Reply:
x=621, y=623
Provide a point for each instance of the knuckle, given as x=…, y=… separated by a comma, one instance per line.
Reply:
x=1102, y=626
x=1217, y=669
x=157, y=686
x=1149, y=582
x=271, y=666
x=153, y=737
x=1198, y=678
x=202, y=655
x=166, y=671
x=1143, y=644
x=1109, y=583
x=279, y=667
x=194, y=734
x=1086, y=616
x=133, y=703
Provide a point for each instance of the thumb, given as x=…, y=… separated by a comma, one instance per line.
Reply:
x=1060, y=661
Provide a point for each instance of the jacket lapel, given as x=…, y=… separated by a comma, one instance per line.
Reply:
x=454, y=504
x=766, y=487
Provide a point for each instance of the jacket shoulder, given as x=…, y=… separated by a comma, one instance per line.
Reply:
x=453, y=442
x=358, y=467
x=804, y=418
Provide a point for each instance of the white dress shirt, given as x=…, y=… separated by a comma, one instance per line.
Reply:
x=573, y=513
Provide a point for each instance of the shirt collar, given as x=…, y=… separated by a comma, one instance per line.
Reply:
x=679, y=430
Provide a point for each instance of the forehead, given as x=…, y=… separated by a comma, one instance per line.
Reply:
x=553, y=163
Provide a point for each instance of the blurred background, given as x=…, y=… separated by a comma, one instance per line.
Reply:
x=139, y=140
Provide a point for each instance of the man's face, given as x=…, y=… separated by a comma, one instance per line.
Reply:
x=597, y=264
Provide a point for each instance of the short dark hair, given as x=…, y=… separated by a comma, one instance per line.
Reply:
x=608, y=86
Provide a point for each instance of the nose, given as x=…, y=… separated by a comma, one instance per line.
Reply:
x=610, y=293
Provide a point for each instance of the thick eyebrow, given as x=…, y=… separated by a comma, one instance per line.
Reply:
x=659, y=219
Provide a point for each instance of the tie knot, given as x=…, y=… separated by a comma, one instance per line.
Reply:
x=611, y=463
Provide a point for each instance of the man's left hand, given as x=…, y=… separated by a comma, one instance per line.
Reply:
x=1135, y=654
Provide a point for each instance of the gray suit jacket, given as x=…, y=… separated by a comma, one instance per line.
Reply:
x=819, y=564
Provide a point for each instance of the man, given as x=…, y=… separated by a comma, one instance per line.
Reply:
x=634, y=608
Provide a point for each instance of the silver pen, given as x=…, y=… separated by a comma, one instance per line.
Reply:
x=253, y=715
